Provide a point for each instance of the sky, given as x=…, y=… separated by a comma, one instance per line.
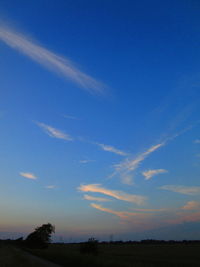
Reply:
x=99, y=115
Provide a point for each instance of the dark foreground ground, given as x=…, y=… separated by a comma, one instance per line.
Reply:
x=11, y=256
x=109, y=255
x=124, y=255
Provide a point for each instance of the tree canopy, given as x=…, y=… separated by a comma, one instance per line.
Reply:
x=41, y=237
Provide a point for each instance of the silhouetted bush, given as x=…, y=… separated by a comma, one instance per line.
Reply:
x=90, y=247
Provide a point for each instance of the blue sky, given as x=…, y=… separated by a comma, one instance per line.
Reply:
x=99, y=113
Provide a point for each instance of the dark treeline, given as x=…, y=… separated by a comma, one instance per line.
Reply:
x=153, y=241
x=20, y=242
x=142, y=242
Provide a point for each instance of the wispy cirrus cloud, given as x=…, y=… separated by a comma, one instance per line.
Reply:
x=53, y=132
x=197, y=141
x=85, y=161
x=150, y=173
x=112, y=149
x=138, y=221
x=147, y=219
x=152, y=210
x=99, y=199
x=50, y=186
x=191, y=205
x=70, y=117
x=97, y=188
x=121, y=214
x=131, y=164
x=126, y=167
x=183, y=217
x=50, y=60
x=186, y=190
x=28, y=175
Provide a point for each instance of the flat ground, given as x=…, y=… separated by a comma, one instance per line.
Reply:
x=13, y=257
x=123, y=255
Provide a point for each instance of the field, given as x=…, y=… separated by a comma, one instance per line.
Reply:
x=126, y=255
x=11, y=256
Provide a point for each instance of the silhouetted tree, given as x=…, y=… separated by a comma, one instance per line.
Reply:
x=41, y=237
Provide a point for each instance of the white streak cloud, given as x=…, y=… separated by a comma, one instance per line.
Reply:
x=150, y=173
x=113, y=193
x=127, y=166
x=28, y=175
x=50, y=186
x=186, y=190
x=99, y=199
x=50, y=60
x=112, y=149
x=70, y=117
x=197, y=141
x=85, y=161
x=53, y=132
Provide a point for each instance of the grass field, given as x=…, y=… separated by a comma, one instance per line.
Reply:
x=11, y=256
x=125, y=255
